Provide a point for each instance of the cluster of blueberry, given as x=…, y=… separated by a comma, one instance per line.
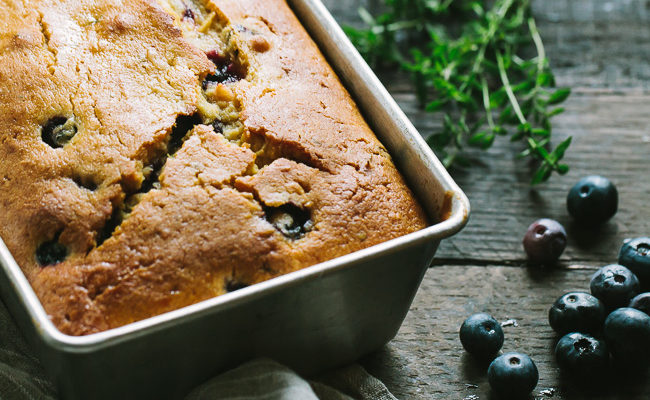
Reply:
x=511, y=374
x=613, y=320
x=592, y=201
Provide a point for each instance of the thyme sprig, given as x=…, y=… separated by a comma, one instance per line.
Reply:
x=478, y=70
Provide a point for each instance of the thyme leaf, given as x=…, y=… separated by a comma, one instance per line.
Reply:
x=487, y=72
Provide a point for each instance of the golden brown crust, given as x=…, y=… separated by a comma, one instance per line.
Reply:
x=175, y=188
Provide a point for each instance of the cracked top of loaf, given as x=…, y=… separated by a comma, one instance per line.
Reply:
x=154, y=154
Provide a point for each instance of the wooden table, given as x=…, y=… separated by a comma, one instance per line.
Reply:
x=602, y=50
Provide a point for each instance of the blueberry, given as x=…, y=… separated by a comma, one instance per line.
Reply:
x=293, y=222
x=182, y=127
x=582, y=355
x=58, y=131
x=226, y=71
x=545, y=241
x=614, y=285
x=218, y=126
x=627, y=332
x=234, y=285
x=641, y=303
x=513, y=375
x=635, y=255
x=481, y=335
x=51, y=252
x=577, y=312
x=593, y=200
x=217, y=58
x=188, y=14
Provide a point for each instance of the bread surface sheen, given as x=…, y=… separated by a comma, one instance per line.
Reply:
x=154, y=154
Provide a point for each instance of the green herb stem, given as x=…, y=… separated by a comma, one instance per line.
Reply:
x=396, y=26
x=539, y=45
x=508, y=88
x=472, y=70
x=486, y=104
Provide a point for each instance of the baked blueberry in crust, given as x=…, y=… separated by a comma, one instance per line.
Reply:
x=293, y=222
x=58, y=131
x=51, y=252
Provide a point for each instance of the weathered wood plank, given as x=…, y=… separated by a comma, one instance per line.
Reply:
x=611, y=137
x=601, y=49
x=427, y=361
x=597, y=43
x=593, y=43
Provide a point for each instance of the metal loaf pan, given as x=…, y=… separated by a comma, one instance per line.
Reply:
x=321, y=317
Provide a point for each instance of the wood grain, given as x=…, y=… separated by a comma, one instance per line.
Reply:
x=601, y=49
x=427, y=361
x=591, y=43
x=597, y=43
x=610, y=138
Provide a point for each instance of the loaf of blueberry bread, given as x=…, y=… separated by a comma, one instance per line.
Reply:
x=154, y=154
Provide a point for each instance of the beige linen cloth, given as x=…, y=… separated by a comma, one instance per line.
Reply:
x=21, y=377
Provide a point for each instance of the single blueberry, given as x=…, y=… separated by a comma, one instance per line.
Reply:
x=635, y=255
x=577, y=312
x=513, y=375
x=614, y=285
x=627, y=332
x=641, y=303
x=481, y=335
x=58, y=131
x=188, y=14
x=217, y=58
x=51, y=252
x=293, y=222
x=234, y=285
x=86, y=182
x=226, y=71
x=582, y=355
x=218, y=126
x=182, y=127
x=545, y=241
x=593, y=200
